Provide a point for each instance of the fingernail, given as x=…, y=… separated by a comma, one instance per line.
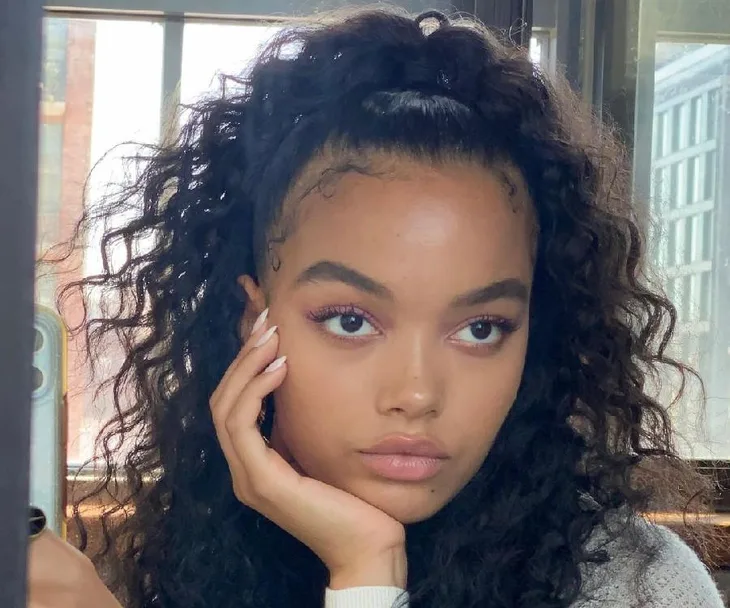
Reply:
x=266, y=337
x=274, y=365
x=260, y=321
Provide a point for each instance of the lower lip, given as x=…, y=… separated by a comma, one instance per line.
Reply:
x=402, y=467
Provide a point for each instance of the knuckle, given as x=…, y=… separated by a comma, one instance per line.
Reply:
x=258, y=487
x=237, y=420
x=231, y=424
x=241, y=495
x=251, y=490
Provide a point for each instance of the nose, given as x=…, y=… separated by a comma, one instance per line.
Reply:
x=411, y=384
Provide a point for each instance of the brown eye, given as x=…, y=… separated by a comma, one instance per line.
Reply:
x=351, y=323
x=481, y=330
x=347, y=325
x=481, y=333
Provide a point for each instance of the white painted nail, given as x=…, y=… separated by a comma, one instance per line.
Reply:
x=260, y=321
x=274, y=365
x=265, y=337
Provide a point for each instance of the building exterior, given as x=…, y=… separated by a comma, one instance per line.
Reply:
x=691, y=208
x=64, y=164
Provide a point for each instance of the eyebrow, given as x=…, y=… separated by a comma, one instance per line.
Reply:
x=509, y=289
x=327, y=270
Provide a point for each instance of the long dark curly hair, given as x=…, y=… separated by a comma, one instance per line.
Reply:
x=584, y=428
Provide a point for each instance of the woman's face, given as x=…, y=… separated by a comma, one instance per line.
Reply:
x=402, y=304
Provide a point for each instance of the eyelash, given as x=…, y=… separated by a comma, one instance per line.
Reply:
x=505, y=326
x=322, y=315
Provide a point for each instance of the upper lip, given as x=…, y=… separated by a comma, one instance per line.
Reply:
x=409, y=445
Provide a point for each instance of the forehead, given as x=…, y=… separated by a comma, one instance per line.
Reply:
x=409, y=223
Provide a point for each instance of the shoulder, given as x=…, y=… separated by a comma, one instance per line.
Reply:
x=678, y=577
x=671, y=577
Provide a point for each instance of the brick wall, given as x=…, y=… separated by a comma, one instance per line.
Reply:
x=76, y=118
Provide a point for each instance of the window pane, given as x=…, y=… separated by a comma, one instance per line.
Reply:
x=705, y=296
x=674, y=185
x=676, y=128
x=213, y=49
x=691, y=180
x=55, y=41
x=707, y=229
x=540, y=44
x=688, y=90
x=659, y=136
x=672, y=244
x=694, y=120
x=101, y=87
x=709, y=185
x=711, y=119
x=687, y=241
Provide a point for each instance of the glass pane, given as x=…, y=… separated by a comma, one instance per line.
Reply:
x=540, y=44
x=101, y=87
x=213, y=49
x=691, y=141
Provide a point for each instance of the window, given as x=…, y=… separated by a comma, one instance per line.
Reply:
x=49, y=182
x=688, y=101
x=102, y=86
x=211, y=50
x=540, y=45
x=55, y=38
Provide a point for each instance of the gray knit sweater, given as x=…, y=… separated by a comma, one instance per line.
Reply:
x=675, y=579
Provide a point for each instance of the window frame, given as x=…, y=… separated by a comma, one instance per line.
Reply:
x=635, y=103
x=19, y=128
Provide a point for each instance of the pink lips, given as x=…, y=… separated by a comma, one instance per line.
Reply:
x=405, y=458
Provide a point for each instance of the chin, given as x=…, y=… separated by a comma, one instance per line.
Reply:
x=408, y=506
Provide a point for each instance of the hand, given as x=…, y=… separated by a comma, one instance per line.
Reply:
x=59, y=576
x=358, y=543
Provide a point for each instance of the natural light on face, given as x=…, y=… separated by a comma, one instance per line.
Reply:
x=402, y=303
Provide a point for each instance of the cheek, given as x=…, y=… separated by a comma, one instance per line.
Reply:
x=487, y=396
x=320, y=401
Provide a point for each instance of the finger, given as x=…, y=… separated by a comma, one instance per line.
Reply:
x=240, y=438
x=244, y=371
x=241, y=423
x=260, y=328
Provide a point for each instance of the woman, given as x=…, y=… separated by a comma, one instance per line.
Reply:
x=387, y=343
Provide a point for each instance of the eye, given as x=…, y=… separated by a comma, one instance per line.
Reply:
x=482, y=333
x=344, y=322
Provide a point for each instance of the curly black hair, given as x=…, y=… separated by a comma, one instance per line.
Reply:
x=207, y=208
